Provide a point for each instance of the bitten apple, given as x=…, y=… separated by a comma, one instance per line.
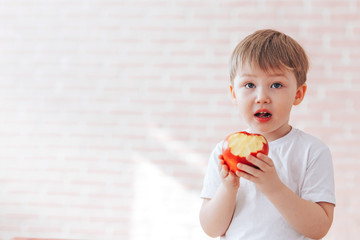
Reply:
x=239, y=145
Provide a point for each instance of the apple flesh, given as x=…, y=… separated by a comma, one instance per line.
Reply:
x=237, y=146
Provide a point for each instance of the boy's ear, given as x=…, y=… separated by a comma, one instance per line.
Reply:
x=233, y=96
x=300, y=94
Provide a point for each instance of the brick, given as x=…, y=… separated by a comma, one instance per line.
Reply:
x=338, y=4
x=236, y=4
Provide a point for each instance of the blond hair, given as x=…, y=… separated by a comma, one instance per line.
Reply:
x=270, y=50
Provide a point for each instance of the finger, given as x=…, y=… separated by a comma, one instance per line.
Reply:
x=248, y=169
x=233, y=177
x=265, y=159
x=221, y=164
x=242, y=174
x=257, y=162
x=224, y=172
x=238, y=173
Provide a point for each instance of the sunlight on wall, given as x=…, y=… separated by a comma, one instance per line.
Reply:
x=165, y=139
x=158, y=200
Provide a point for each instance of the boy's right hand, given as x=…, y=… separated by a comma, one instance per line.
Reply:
x=230, y=180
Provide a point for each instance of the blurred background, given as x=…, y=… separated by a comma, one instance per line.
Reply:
x=109, y=109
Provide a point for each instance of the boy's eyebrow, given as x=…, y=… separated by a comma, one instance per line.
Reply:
x=278, y=75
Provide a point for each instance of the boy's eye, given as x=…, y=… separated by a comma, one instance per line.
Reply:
x=249, y=85
x=276, y=85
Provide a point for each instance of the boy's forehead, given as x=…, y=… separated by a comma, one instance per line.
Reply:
x=255, y=69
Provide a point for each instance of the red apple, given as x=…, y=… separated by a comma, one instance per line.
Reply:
x=239, y=145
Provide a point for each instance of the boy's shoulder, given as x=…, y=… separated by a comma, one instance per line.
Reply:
x=307, y=136
x=307, y=140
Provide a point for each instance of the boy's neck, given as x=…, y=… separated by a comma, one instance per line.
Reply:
x=272, y=136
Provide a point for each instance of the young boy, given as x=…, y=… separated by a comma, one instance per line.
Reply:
x=291, y=193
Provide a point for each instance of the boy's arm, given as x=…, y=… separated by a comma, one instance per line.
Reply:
x=310, y=219
x=216, y=213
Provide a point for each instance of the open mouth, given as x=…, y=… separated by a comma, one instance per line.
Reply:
x=262, y=114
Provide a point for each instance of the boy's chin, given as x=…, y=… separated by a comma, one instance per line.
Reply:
x=257, y=127
x=262, y=129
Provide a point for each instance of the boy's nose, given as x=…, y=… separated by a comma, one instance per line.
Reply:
x=262, y=97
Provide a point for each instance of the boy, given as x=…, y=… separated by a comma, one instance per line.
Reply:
x=291, y=193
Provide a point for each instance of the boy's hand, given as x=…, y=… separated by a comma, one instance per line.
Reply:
x=265, y=178
x=229, y=179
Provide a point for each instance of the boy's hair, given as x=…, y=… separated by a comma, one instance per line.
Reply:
x=269, y=50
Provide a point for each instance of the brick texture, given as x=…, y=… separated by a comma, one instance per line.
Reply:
x=109, y=109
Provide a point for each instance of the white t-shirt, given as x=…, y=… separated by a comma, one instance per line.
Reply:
x=303, y=163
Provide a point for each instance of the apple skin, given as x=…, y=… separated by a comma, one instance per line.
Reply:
x=232, y=160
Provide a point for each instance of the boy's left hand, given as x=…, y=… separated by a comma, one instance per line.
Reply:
x=265, y=178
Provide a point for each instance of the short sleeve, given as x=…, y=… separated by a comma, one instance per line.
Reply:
x=319, y=185
x=212, y=178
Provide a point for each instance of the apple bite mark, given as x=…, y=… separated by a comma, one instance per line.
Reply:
x=238, y=146
x=244, y=146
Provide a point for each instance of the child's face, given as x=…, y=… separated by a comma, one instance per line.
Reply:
x=265, y=99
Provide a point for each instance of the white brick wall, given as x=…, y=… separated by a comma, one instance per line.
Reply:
x=109, y=109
